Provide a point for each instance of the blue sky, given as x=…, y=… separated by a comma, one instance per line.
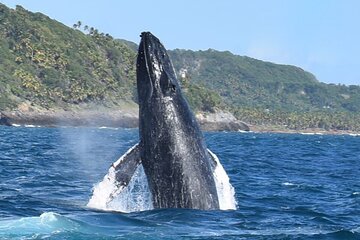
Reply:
x=320, y=36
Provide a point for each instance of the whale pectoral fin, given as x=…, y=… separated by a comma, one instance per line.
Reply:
x=214, y=160
x=126, y=166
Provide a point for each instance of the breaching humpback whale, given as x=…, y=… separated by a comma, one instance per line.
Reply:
x=178, y=166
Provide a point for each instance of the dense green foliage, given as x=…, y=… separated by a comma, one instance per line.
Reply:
x=53, y=66
x=301, y=120
x=251, y=83
x=49, y=64
x=261, y=92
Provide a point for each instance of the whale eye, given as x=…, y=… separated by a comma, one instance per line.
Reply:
x=173, y=88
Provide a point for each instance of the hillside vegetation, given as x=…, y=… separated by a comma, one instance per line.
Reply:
x=52, y=66
x=248, y=82
x=261, y=92
x=49, y=64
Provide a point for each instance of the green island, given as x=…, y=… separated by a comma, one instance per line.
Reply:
x=48, y=69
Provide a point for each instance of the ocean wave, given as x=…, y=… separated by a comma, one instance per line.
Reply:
x=311, y=133
x=26, y=125
x=354, y=134
x=306, y=232
x=307, y=133
x=289, y=184
x=110, y=128
x=50, y=225
x=46, y=223
x=32, y=126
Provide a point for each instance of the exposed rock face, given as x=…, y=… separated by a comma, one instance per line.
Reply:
x=220, y=121
x=25, y=115
x=72, y=118
x=4, y=120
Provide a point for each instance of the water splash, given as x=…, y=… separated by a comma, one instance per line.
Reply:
x=103, y=191
x=135, y=197
x=108, y=196
x=225, y=190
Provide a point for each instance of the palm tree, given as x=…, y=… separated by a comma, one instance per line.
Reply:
x=91, y=32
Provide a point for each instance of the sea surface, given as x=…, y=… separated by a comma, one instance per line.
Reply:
x=288, y=186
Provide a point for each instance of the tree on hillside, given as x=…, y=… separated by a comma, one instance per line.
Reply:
x=77, y=25
x=91, y=31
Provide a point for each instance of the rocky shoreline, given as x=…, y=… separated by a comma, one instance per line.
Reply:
x=70, y=118
x=307, y=131
x=219, y=121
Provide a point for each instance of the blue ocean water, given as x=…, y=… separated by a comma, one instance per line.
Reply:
x=288, y=186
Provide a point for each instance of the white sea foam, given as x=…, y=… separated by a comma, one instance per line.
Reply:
x=111, y=128
x=312, y=133
x=108, y=196
x=288, y=184
x=15, y=125
x=242, y=131
x=354, y=134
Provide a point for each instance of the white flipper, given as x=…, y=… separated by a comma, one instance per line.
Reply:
x=116, y=180
x=225, y=190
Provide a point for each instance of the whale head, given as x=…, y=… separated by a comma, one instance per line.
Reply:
x=156, y=78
